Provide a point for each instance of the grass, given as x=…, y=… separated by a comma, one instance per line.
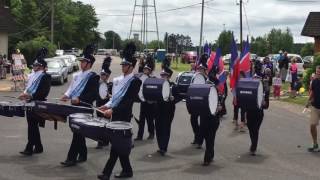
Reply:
x=300, y=100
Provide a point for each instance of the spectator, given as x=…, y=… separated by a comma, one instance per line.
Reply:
x=268, y=64
x=277, y=83
x=294, y=76
x=283, y=66
x=18, y=58
x=314, y=101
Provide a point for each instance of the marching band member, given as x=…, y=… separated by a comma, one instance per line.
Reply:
x=104, y=95
x=254, y=120
x=37, y=89
x=147, y=109
x=209, y=124
x=125, y=90
x=165, y=114
x=82, y=91
x=195, y=124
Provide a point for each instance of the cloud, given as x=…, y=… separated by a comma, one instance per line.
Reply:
x=259, y=17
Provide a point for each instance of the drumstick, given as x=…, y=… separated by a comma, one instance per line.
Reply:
x=10, y=97
x=93, y=107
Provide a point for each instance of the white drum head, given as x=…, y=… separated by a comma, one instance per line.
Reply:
x=81, y=115
x=95, y=123
x=198, y=78
x=143, y=77
x=166, y=90
x=260, y=95
x=119, y=125
x=213, y=100
x=79, y=120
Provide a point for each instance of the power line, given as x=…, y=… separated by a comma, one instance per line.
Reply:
x=247, y=22
x=163, y=11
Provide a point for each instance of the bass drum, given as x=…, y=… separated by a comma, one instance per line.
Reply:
x=185, y=79
x=156, y=89
x=249, y=93
x=202, y=99
x=142, y=77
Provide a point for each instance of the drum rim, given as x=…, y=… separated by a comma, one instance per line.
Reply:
x=73, y=115
x=167, y=84
x=215, y=92
x=198, y=73
x=129, y=125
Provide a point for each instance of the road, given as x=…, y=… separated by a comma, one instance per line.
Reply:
x=282, y=153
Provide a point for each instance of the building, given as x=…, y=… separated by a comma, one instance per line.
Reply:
x=312, y=29
x=136, y=36
x=7, y=25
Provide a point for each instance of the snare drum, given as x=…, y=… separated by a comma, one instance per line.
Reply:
x=120, y=135
x=202, y=99
x=5, y=109
x=156, y=89
x=185, y=79
x=89, y=127
x=17, y=109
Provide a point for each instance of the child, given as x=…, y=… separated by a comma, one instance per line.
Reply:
x=277, y=83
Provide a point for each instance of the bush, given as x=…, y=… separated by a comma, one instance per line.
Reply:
x=30, y=48
x=309, y=71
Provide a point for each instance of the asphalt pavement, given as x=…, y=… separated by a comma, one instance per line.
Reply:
x=282, y=151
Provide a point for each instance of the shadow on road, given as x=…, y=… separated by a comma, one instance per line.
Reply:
x=201, y=170
x=188, y=151
x=247, y=158
x=18, y=159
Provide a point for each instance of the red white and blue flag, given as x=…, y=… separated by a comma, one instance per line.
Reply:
x=245, y=64
x=222, y=77
x=234, y=65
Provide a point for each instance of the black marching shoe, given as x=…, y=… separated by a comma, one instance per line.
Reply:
x=162, y=152
x=81, y=160
x=194, y=142
x=206, y=163
x=68, y=163
x=26, y=153
x=103, y=177
x=124, y=175
x=38, y=150
x=138, y=139
x=151, y=137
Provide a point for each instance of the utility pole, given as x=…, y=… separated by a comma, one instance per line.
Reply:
x=241, y=38
x=201, y=29
x=52, y=19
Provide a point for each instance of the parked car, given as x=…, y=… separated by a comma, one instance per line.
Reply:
x=189, y=57
x=101, y=52
x=307, y=61
x=73, y=51
x=73, y=60
x=58, y=70
x=59, y=52
x=67, y=61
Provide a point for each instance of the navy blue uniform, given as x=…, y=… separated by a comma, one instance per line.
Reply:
x=34, y=121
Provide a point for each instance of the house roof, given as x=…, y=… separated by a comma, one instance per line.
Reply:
x=312, y=26
x=7, y=23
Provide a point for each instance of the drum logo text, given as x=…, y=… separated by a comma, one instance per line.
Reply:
x=245, y=92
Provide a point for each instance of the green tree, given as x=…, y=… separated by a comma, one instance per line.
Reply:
x=138, y=44
x=30, y=48
x=307, y=50
x=306, y=78
x=112, y=40
x=224, y=40
x=259, y=46
x=155, y=44
x=280, y=40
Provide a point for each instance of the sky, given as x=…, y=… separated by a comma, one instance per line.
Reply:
x=259, y=17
